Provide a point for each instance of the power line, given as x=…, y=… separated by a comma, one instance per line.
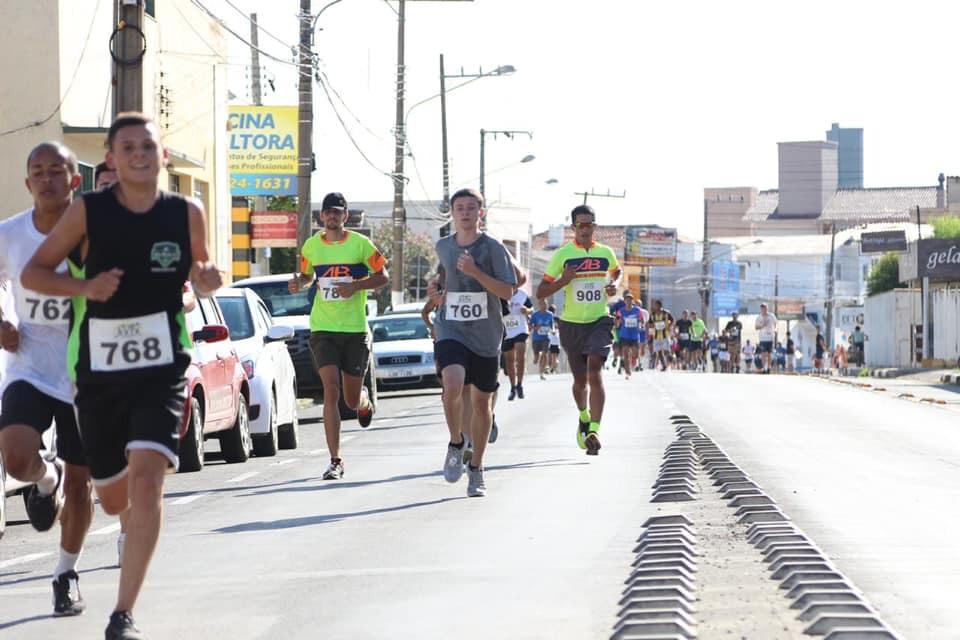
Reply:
x=264, y=31
x=326, y=79
x=226, y=28
x=76, y=69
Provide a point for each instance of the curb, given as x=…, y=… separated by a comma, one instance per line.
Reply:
x=950, y=378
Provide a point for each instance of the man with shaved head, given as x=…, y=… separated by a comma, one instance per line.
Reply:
x=36, y=388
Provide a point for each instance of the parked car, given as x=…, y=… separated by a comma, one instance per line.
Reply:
x=405, y=307
x=293, y=310
x=218, y=393
x=273, y=382
x=403, y=351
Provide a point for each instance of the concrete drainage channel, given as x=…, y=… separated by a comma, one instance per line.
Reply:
x=722, y=560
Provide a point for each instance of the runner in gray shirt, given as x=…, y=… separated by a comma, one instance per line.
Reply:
x=469, y=326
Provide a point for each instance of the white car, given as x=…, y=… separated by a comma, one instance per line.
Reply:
x=261, y=347
x=403, y=351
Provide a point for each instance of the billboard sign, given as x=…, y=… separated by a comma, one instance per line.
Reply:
x=262, y=152
x=273, y=229
x=725, y=296
x=883, y=241
x=939, y=259
x=650, y=246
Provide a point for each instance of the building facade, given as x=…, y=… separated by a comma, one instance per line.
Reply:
x=849, y=155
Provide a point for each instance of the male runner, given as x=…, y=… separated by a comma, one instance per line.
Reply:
x=128, y=349
x=748, y=353
x=587, y=272
x=514, y=347
x=103, y=176
x=698, y=329
x=629, y=319
x=734, y=330
x=662, y=329
x=617, y=363
x=554, y=360
x=767, y=328
x=541, y=323
x=683, y=338
x=36, y=388
x=345, y=265
x=478, y=274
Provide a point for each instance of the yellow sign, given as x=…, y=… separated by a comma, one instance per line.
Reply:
x=263, y=150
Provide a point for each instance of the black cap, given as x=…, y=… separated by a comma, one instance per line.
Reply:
x=334, y=200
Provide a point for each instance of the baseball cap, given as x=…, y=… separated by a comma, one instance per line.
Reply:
x=334, y=200
x=627, y=294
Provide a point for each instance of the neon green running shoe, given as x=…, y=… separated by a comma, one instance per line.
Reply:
x=583, y=428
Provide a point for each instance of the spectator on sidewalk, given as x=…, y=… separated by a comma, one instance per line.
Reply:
x=791, y=354
x=820, y=351
x=859, y=338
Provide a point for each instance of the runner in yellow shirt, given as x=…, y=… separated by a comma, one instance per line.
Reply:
x=587, y=272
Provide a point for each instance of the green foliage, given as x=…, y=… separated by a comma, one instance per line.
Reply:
x=946, y=227
x=415, y=247
x=885, y=275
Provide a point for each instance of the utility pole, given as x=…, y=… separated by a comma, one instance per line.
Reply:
x=833, y=243
x=399, y=213
x=443, y=132
x=776, y=294
x=705, y=267
x=305, y=130
x=924, y=334
x=130, y=46
x=259, y=202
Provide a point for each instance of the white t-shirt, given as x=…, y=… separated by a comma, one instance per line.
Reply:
x=767, y=327
x=43, y=321
x=516, y=323
x=554, y=338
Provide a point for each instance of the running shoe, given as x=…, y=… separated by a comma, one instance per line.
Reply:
x=593, y=439
x=582, y=429
x=335, y=470
x=67, y=600
x=494, y=431
x=43, y=511
x=364, y=416
x=475, y=485
x=121, y=627
x=520, y=391
x=453, y=463
x=513, y=393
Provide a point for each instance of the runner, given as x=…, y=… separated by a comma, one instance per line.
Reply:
x=541, y=324
x=554, y=347
x=662, y=329
x=820, y=351
x=587, y=272
x=683, y=338
x=767, y=328
x=36, y=388
x=615, y=306
x=791, y=354
x=748, y=353
x=514, y=347
x=629, y=319
x=469, y=321
x=698, y=330
x=723, y=350
x=734, y=330
x=344, y=265
x=642, y=337
x=139, y=245
x=714, y=346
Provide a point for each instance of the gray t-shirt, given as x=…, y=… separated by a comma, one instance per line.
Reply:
x=471, y=315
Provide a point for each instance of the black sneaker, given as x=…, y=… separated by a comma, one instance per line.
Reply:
x=520, y=391
x=593, y=444
x=513, y=393
x=121, y=627
x=67, y=600
x=43, y=511
x=364, y=416
x=494, y=431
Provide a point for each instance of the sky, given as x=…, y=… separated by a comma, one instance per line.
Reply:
x=652, y=100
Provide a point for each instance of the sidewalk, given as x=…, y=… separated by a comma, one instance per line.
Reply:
x=932, y=386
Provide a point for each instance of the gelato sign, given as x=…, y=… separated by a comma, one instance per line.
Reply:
x=939, y=259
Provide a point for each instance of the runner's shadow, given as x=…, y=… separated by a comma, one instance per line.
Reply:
x=46, y=576
x=290, y=523
x=16, y=623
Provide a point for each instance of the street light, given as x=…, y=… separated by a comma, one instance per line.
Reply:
x=483, y=136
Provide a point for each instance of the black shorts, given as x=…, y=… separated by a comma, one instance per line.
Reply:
x=684, y=344
x=24, y=404
x=626, y=342
x=696, y=345
x=118, y=418
x=588, y=339
x=766, y=346
x=539, y=346
x=555, y=348
x=481, y=372
x=509, y=343
x=349, y=352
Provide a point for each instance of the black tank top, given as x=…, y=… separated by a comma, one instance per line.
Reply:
x=140, y=331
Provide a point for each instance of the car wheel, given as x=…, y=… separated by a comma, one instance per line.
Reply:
x=191, y=450
x=3, y=499
x=235, y=443
x=289, y=434
x=265, y=444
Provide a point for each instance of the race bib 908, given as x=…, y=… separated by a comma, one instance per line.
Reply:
x=462, y=306
x=130, y=343
x=588, y=291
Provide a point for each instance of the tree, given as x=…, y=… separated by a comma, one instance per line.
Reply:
x=885, y=275
x=946, y=227
x=416, y=247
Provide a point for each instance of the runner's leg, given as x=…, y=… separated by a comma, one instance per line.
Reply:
x=21, y=445
x=520, y=360
x=480, y=422
x=330, y=377
x=77, y=511
x=597, y=394
x=453, y=377
x=510, y=358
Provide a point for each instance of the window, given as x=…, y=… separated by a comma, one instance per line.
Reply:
x=237, y=315
x=150, y=8
x=174, y=183
x=86, y=177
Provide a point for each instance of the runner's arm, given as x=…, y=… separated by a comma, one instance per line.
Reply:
x=374, y=281
x=40, y=274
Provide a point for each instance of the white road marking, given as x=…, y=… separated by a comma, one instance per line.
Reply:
x=190, y=498
x=315, y=452
x=23, y=559
x=287, y=461
x=110, y=528
x=244, y=476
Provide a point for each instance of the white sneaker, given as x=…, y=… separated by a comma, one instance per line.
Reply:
x=475, y=485
x=453, y=463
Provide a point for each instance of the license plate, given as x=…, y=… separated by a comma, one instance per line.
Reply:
x=400, y=373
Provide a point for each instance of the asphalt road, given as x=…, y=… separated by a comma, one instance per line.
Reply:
x=266, y=549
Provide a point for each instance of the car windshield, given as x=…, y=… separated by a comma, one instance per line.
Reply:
x=236, y=313
x=280, y=302
x=386, y=329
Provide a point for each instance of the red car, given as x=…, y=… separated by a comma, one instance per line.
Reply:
x=218, y=395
